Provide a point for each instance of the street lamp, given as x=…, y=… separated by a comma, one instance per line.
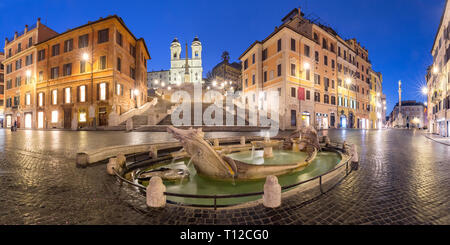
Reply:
x=435, y=70
x=424, y=90
x=136, y=93
x=306, y=66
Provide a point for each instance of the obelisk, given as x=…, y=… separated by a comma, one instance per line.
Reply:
x=400, y=116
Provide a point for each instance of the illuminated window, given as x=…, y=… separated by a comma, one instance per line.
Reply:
x=83, y=93
x=67, y=95
x=41, y=99
x=28, y=99
x=118, y=89
x=54, y=116
x=54, y=97
x=102, y=91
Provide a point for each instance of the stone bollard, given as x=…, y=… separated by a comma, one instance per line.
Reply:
x=272, y=192
x=121, y=160
x=216, y=142
x=129, y=124
x=112, y=164
x=243, y=140
x=155, y=193
x=153, y=152
x=355, y=159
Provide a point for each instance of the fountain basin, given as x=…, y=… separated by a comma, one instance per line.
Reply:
x=280, y=157
x=201, y=185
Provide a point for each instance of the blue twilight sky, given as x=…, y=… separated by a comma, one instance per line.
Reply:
x=398, y=33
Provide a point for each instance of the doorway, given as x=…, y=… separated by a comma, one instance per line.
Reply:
x=28, y=120
x=102, y=119
x=40, y=119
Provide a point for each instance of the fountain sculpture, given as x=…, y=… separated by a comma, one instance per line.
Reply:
x=212, y=162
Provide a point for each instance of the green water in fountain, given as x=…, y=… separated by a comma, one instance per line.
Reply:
x=199, y=185
x=279, y=157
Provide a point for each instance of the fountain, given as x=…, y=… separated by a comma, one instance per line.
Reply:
x=267, y=144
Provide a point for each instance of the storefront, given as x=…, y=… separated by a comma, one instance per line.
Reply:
x=322, y=121
x=28, y=120
x=306, y=119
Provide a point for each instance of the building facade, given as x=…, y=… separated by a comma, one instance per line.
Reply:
x=156, y=78
x=226, y=72
x=84, y=77
x=322, y=80
x=438, y=79
x=377, y=112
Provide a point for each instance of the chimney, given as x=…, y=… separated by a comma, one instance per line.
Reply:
x=15, y=35
x=299, y=12
x=6, y=41
x=38, y=22
x=26, y=29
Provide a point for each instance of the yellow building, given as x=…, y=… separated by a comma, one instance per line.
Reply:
x=322, y=80
x=86, y=76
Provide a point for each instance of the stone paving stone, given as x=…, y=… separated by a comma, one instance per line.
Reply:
x=403, y=178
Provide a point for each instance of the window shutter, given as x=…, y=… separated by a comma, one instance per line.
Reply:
x=78, y=94
x=107, y=91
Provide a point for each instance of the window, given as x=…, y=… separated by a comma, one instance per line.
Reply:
x=308, y=74
x=253, y=79
x=41, y=99
x=333, y=100
x=102, y=92
x=119, y=90
x=82, y=66
x=41, y=54
x=103, y=36
x=317, y=56
x=67, y=96
x=102, y=65
x=308, y=95
x=316, y=96
x=55, y=50
x=27, y=99
x=82, y=93
x=331, y=47
x=293, y=70
x=18, y=64
x=293, y=48
x=133, y=50
x=67, y=69
x=19, y=48
x=29, y=60
x=41, y=76
x=119, y=64
x=264, y=54
x=265, y=76
x=30, y=41
x=307, y=50
x=119, y=38
x=325, y=60
x=54, y=97
x=293, y=92
x=279, y=45
x=324, y=43
x=68, y=45
x=18, y=81
x=54, y=116
x=54, y=72
x=245, y=64
x=332, y=64
x=246, y=82
x=8, y=84
x=83, y=41
x=253, y=58
x=316, y=38
x=132, y=73
x=279, y=70
x=326, y=99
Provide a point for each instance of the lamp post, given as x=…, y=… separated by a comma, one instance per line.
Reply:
x=91, y=107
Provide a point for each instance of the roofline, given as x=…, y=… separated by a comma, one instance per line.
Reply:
x=440, y=24
x=98, y=21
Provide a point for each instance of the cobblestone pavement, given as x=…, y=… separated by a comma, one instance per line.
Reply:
x=404, y=178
